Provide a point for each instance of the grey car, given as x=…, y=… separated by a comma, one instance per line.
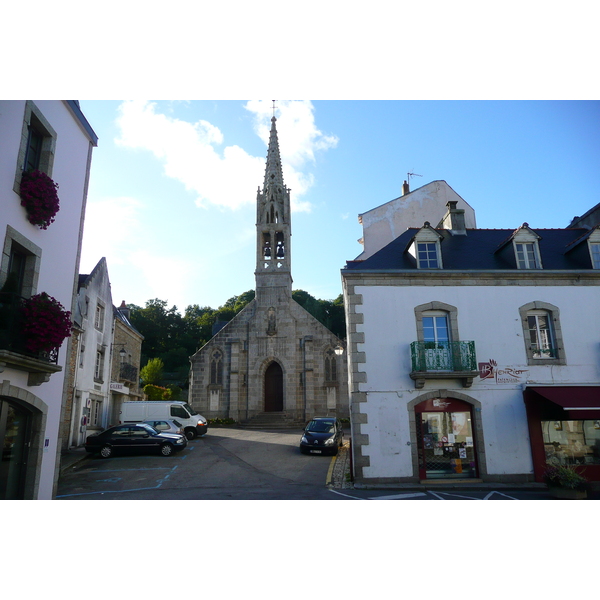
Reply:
x=166, y=425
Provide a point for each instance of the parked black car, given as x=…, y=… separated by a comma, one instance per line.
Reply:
x=134, y=438
x=322, y=435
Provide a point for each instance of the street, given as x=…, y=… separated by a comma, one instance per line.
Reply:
x=245, y=464
x=225, y=464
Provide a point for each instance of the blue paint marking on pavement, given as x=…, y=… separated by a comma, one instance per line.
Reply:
x=111, y=480
x=155, y=487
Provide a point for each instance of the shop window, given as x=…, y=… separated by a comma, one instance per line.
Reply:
x=542, y=333
x=572, y=442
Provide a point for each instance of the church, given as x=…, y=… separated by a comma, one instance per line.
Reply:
x=273, y=362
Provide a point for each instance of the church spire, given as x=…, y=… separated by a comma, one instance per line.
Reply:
x=273, y=227
x=273, y=172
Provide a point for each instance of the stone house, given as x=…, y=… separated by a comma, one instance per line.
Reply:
x=274, y=359
x=473, y=353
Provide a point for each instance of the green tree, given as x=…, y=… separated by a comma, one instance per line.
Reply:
x=152, y=373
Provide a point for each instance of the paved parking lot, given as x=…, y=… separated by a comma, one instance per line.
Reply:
x=224, y=464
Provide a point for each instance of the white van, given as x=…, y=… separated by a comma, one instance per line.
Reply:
x=138, y=411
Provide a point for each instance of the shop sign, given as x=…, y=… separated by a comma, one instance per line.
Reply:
x=491, y=372
x=119, y=388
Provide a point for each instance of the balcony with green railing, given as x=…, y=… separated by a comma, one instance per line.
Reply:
x=443, y=360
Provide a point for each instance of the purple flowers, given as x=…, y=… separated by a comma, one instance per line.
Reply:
x=45, y=323
x=39, y=197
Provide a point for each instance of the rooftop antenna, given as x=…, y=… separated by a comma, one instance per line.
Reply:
x=409, y=175
x=274, y=106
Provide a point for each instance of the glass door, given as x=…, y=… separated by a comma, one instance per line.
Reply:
x=446, y=443
x=436, y=336
x=14, y=434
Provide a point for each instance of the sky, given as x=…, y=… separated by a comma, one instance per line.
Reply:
x=172, y=195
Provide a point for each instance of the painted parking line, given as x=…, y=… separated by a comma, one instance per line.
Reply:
x=153, y=487
x=437, y=495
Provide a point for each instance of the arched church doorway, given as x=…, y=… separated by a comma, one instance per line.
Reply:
x=274, y=388
x=446, y=439
x=15, y=426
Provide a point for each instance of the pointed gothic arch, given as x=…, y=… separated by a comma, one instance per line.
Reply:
x=273, y=387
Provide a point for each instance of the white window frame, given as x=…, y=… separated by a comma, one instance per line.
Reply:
x=595, y=254
x=537, y=309
x=99, y=317
x=527, y=255
x=427, y=241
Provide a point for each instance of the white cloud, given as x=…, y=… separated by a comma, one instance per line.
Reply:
x=192, y=153
x=114, y=236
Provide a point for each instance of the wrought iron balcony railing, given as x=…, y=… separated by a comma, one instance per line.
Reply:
x=128, y=372
x=443, y=357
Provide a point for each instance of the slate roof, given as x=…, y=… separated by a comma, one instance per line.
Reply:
x=484, y=250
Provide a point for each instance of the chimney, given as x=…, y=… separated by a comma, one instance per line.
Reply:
x=124, y=310
x=405, y=188
x=454, y=220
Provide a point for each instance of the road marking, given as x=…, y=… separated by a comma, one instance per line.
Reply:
x=399, y=496
x=330, y=471
x=155, y=487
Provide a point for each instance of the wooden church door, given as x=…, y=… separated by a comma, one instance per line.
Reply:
x=274, y=388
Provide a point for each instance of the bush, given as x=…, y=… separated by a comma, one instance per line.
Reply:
x=156, y=392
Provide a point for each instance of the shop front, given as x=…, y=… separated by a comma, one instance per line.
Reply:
x=445, y=438
x=564, y=428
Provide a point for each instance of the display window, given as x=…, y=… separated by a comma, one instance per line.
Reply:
x=446, y=442
x=572, y=442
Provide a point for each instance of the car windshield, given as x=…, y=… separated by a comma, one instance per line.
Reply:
x=149, y=428
x=320, y=426
x=177, y=423
x=190, y=409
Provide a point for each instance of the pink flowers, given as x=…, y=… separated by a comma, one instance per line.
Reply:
x=39, y=197
x=45, y=323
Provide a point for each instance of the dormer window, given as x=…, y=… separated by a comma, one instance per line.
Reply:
x=427, y=255
x=594, y=246
x=527, y=256
x=425, y=248
x=525, y=243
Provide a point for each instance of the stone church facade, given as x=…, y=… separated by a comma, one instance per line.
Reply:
x=273, y=358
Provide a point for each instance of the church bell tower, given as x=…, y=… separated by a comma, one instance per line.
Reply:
x=273, y=231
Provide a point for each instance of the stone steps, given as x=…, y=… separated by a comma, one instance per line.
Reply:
x=272, y=420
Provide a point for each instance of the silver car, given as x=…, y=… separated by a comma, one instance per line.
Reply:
x=166, y=425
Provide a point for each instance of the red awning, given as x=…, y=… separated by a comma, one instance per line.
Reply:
x=581, y=402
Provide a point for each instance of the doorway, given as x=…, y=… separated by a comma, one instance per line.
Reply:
x=15, y=426
x=274, y=388
x=446, y=440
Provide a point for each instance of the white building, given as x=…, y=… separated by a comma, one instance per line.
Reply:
x=427, y=203
x=473, y=353
x=54, y=138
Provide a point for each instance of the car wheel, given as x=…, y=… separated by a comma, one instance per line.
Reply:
x=166, y=449
x=190, y=434
x=106, y=451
